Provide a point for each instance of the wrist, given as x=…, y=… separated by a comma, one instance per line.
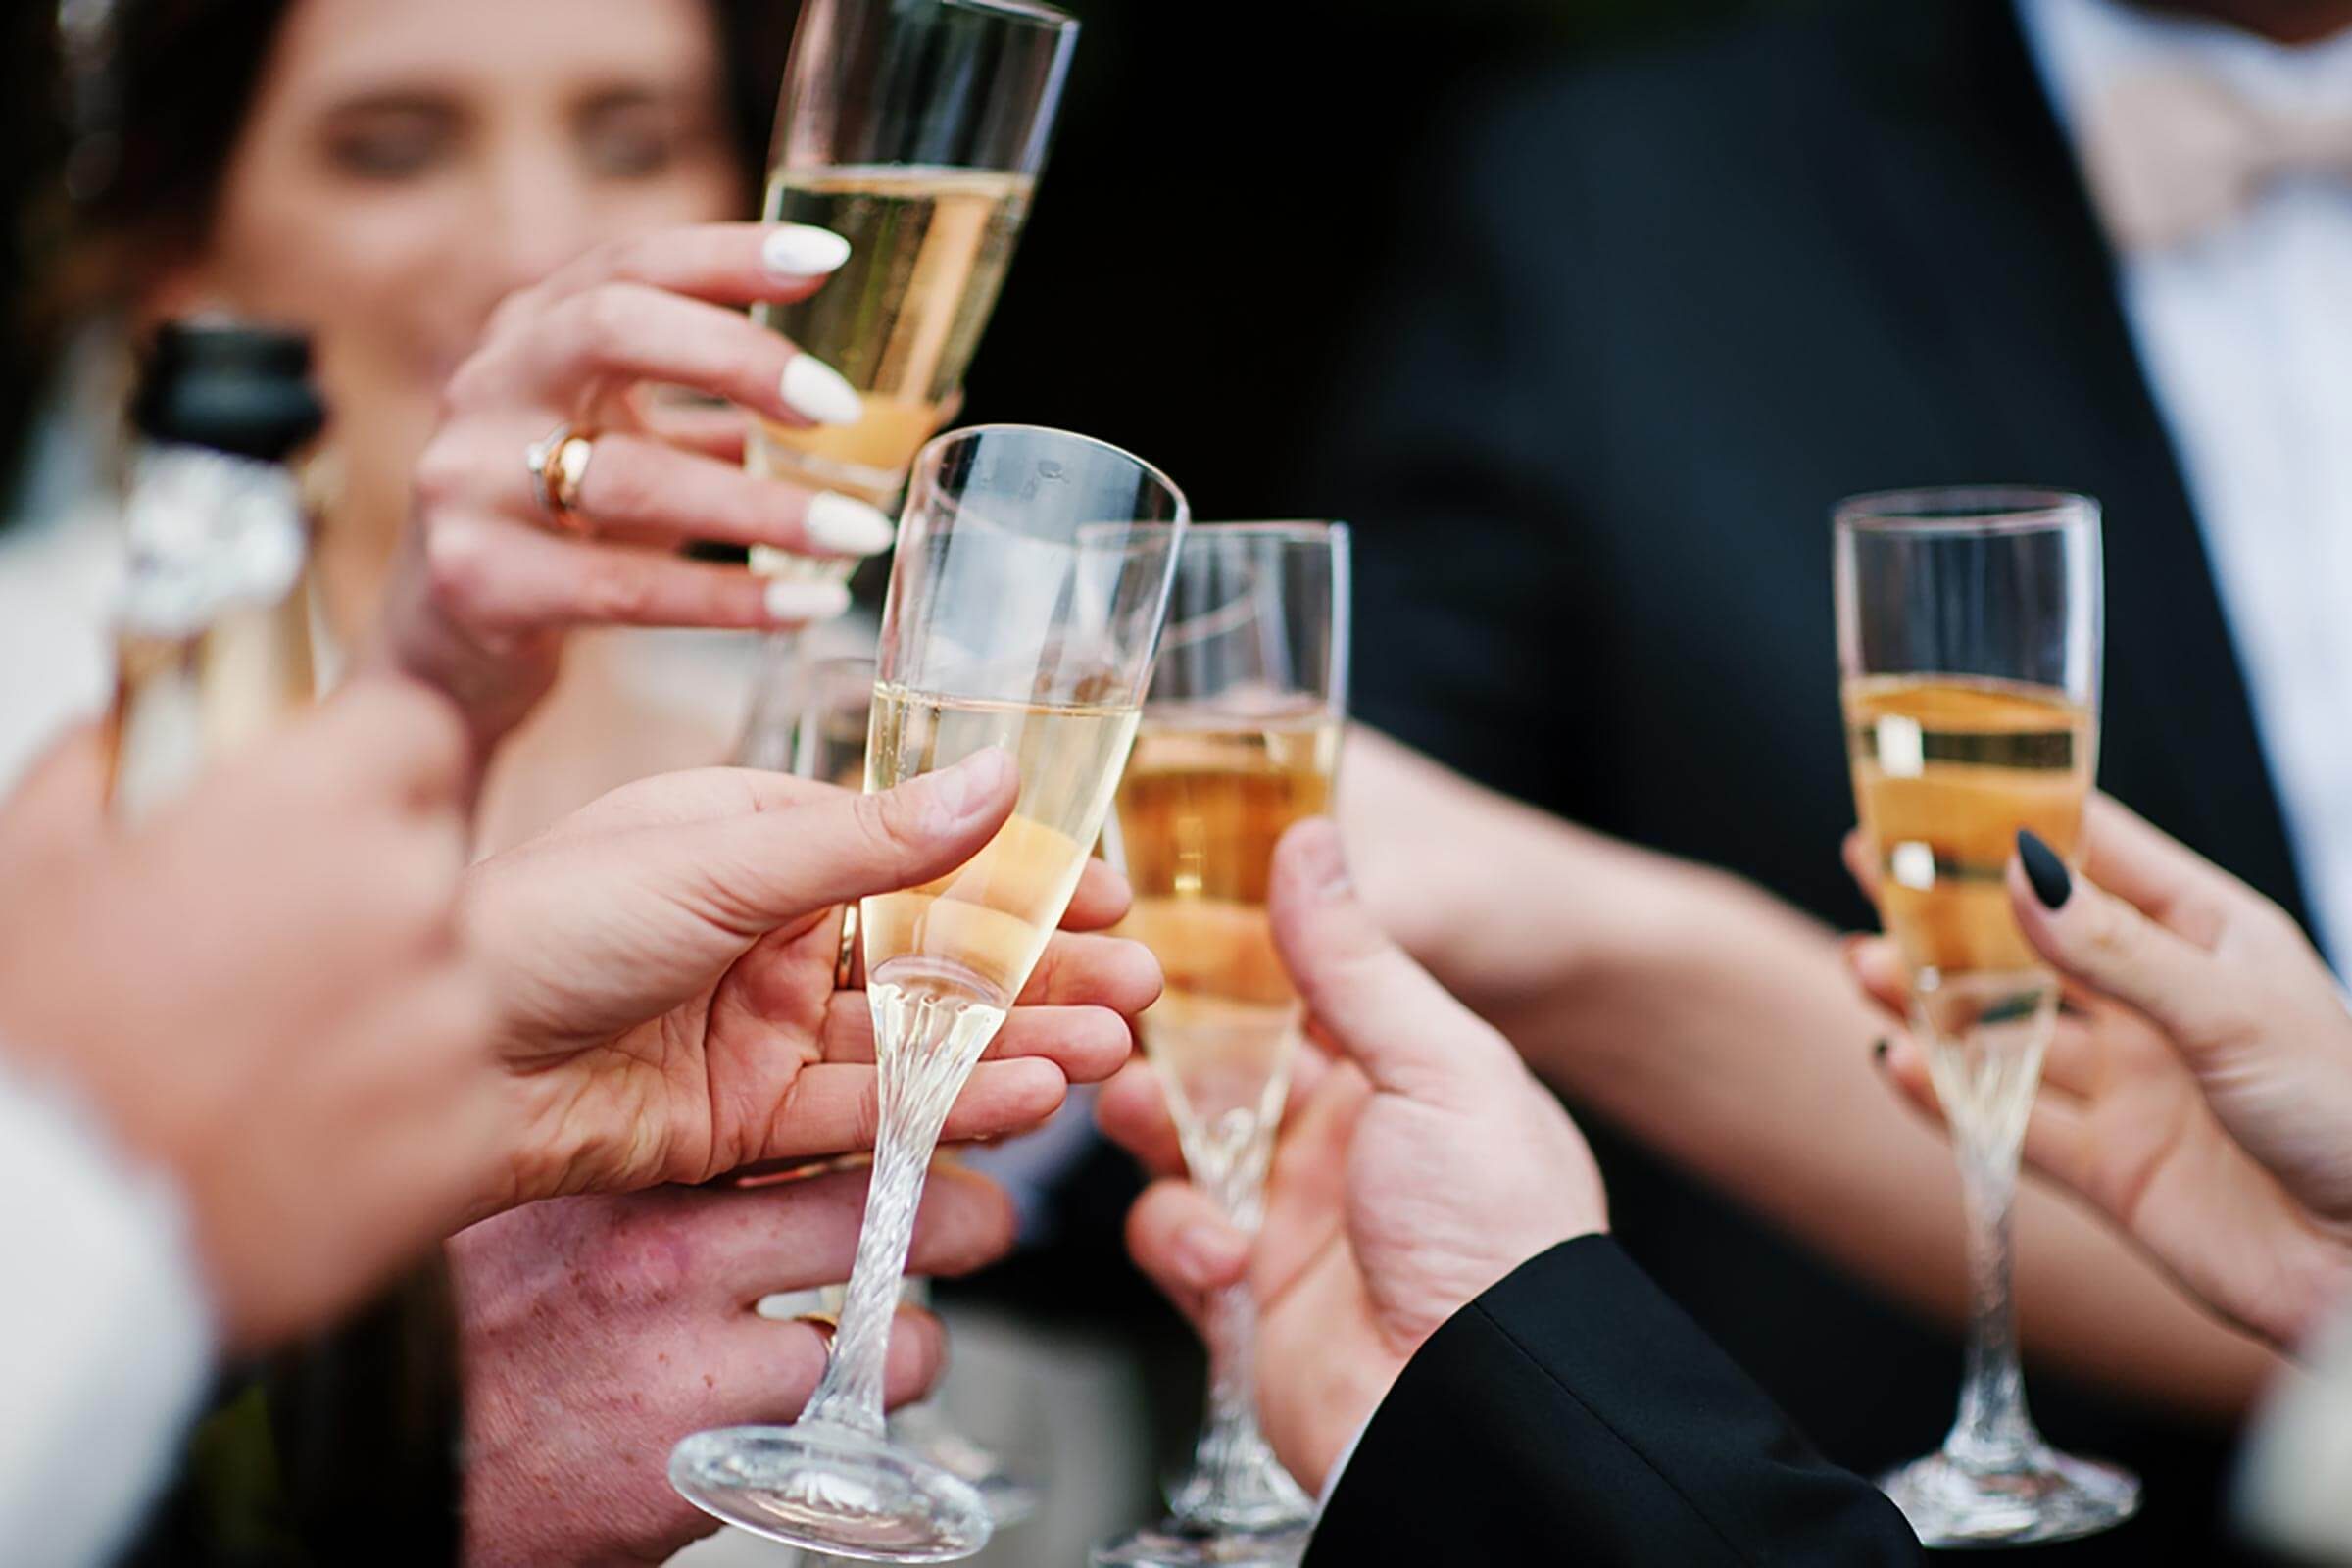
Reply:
x=1328, y=1418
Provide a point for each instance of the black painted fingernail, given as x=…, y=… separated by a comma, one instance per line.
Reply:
x=2051, y=883
x=1877, y=1053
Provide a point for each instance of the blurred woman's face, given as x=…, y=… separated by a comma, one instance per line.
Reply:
x=408, y=163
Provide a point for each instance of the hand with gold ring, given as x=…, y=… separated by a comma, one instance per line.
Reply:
x=557, y=463
x=558, y=492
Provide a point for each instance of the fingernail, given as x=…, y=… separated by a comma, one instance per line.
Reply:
x=1877, y=1053
x=796, y=601
x=976, y=781
x=1207, y=1254
x=846, y=527
x=803, y=250
x=1321, y=860
x=815, y=390
x=2044, y=870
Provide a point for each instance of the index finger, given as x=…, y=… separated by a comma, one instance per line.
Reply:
x=2156, y=873
x=725, y=263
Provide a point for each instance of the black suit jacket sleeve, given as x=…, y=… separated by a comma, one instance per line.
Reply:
x=1573, y=1414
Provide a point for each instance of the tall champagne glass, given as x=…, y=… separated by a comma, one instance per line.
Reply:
x=916, y=130
x=1240, y=738
x=1024, y=611
x=829, y=706
x=1969, y=637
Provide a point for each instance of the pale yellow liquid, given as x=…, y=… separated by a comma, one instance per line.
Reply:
x=1945, y=773
x=978, y=931
x=1200, y=809
x=929, y=248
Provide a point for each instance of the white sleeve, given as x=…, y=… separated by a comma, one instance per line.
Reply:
x=1331, y=1482
x=106, y=1330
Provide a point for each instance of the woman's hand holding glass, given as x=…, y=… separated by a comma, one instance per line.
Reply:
x=2198, y=1089
x=492, y=574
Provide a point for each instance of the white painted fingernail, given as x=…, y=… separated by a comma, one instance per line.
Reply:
x=845, y=525
x=815, y=390
x=803, y=250
x=798, y=602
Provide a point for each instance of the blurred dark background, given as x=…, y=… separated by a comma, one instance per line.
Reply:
x=1225, y=181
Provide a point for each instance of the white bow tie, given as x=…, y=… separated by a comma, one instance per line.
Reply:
x=2174, y=156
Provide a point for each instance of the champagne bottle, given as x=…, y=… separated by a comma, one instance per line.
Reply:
x=213, y=629
x=342, y=1449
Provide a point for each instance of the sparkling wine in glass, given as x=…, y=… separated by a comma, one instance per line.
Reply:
x=1024, y=611
x=914, y=130
x=1240, y=739
x=1969, y=637
x=825, y=708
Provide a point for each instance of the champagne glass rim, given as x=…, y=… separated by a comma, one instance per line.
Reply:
x=1025, y=12
x=1300, y=530
x=842, y=661
x=1153, y=470
x=1982, y=510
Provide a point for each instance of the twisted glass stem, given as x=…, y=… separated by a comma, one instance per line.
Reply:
x=925, y=1045
x=1235, y=1482
x=1994, y=1431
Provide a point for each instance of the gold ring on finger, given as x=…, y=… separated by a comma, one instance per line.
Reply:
x=827, y=1324
x=557, y=462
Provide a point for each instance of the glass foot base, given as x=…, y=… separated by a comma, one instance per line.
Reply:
x=2048, y=1497
x=1172, y=1546
x=830, y=1490
x=924, y=1432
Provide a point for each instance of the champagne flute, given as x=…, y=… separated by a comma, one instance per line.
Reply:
x=1969, y=638
x=916, y=130
x=830, y=705
x=1024, y=611
x=1240, y=739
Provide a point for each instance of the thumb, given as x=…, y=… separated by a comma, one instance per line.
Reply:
x=2092, y=936
x=754, y=872
x=1375, y=1004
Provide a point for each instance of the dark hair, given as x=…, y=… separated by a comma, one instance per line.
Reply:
x=157, y=105
x=185, y=74
x=33, y=130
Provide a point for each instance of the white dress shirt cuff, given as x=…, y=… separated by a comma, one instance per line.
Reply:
x=106, y=1330
x=1331, y=1482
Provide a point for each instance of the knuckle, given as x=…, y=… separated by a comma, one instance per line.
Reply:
x=887, y=826
x=472, y=384
x=632, y=256
x=866, y=1116
x=459, y=569
x=604, y=317
x=619, y=488
x=616, y=590
x=510, y=314
x=444, y=471
x=2112, y=942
